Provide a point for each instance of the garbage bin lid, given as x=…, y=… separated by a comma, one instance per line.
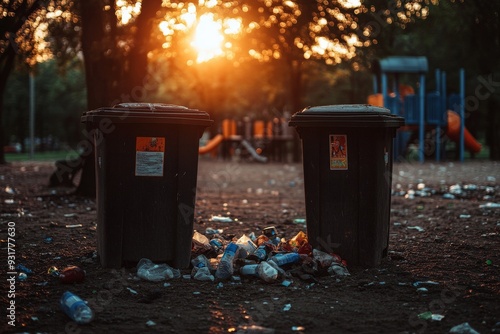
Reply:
x=148, y=113
x=346, y=115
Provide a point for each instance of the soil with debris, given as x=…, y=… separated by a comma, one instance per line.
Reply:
x=442, y=268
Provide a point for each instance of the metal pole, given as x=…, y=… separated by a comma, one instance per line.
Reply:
x=421, y=133
x=462, y=113
x=32, y=116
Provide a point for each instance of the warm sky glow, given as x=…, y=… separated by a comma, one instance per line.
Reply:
x=208, y=38
x=208, y=33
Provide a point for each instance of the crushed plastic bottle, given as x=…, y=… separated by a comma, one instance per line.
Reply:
x=76, y=308
x=225, y=267
x=150, y=271
x=201, y=269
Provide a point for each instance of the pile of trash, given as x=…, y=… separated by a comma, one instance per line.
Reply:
x=266, y=257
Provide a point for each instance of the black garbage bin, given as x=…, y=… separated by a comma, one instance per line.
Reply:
x=347, y=160
x=146, y=162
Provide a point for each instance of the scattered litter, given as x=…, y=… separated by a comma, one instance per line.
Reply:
x=287, y=307
x=430, y=316
x=76, y=308
x=463, y=216
x=150, y=323
x=463, y=328
x=212, y=231
x=22, y=277
x=418, y=228
x=48, y=240
x=298, y=328
x=253, y=329
x=221, y=219
x=74, y=225
x=70, y=215
x=24, y=269
x=132, y=291
x=422, y=290
x=419, y=283
x=72, y=274
x=299, y=221
x=150, y=271
x=490, y=205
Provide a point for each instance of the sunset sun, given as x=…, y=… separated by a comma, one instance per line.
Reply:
x=208, y=38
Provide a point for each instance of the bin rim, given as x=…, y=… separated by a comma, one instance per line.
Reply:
x=346, y=115
x=148, y=113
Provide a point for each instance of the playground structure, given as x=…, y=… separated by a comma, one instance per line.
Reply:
x=422, y=111
x=256, y=140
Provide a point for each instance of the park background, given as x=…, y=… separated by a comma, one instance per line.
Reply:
x=234, y=59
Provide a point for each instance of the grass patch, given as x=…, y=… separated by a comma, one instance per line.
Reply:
x=41, y=156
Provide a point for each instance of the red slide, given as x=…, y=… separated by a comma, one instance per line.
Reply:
x=453, y=132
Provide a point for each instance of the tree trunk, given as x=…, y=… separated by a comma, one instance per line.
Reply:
x=493, y=131
x=296, y=100
x=111, y=75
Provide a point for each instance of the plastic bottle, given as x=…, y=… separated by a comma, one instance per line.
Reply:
x=225, y=267
x=249, y=270
x=263, y=250
x=216, y=245
x=266, y=272
x=76, y=308
x=283, y=259
x=263, y=270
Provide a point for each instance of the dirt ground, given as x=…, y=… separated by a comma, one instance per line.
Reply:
x=444, y=258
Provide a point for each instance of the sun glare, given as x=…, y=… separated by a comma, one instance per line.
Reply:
x=208, y=38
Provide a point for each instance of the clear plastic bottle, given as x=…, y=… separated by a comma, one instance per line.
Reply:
x=266, y=272
x=76, y=308
x=225, y=268
x=262, y=270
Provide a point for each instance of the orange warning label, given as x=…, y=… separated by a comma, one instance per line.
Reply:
x=149, y=156
x=338, y=152
x=150, y=144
